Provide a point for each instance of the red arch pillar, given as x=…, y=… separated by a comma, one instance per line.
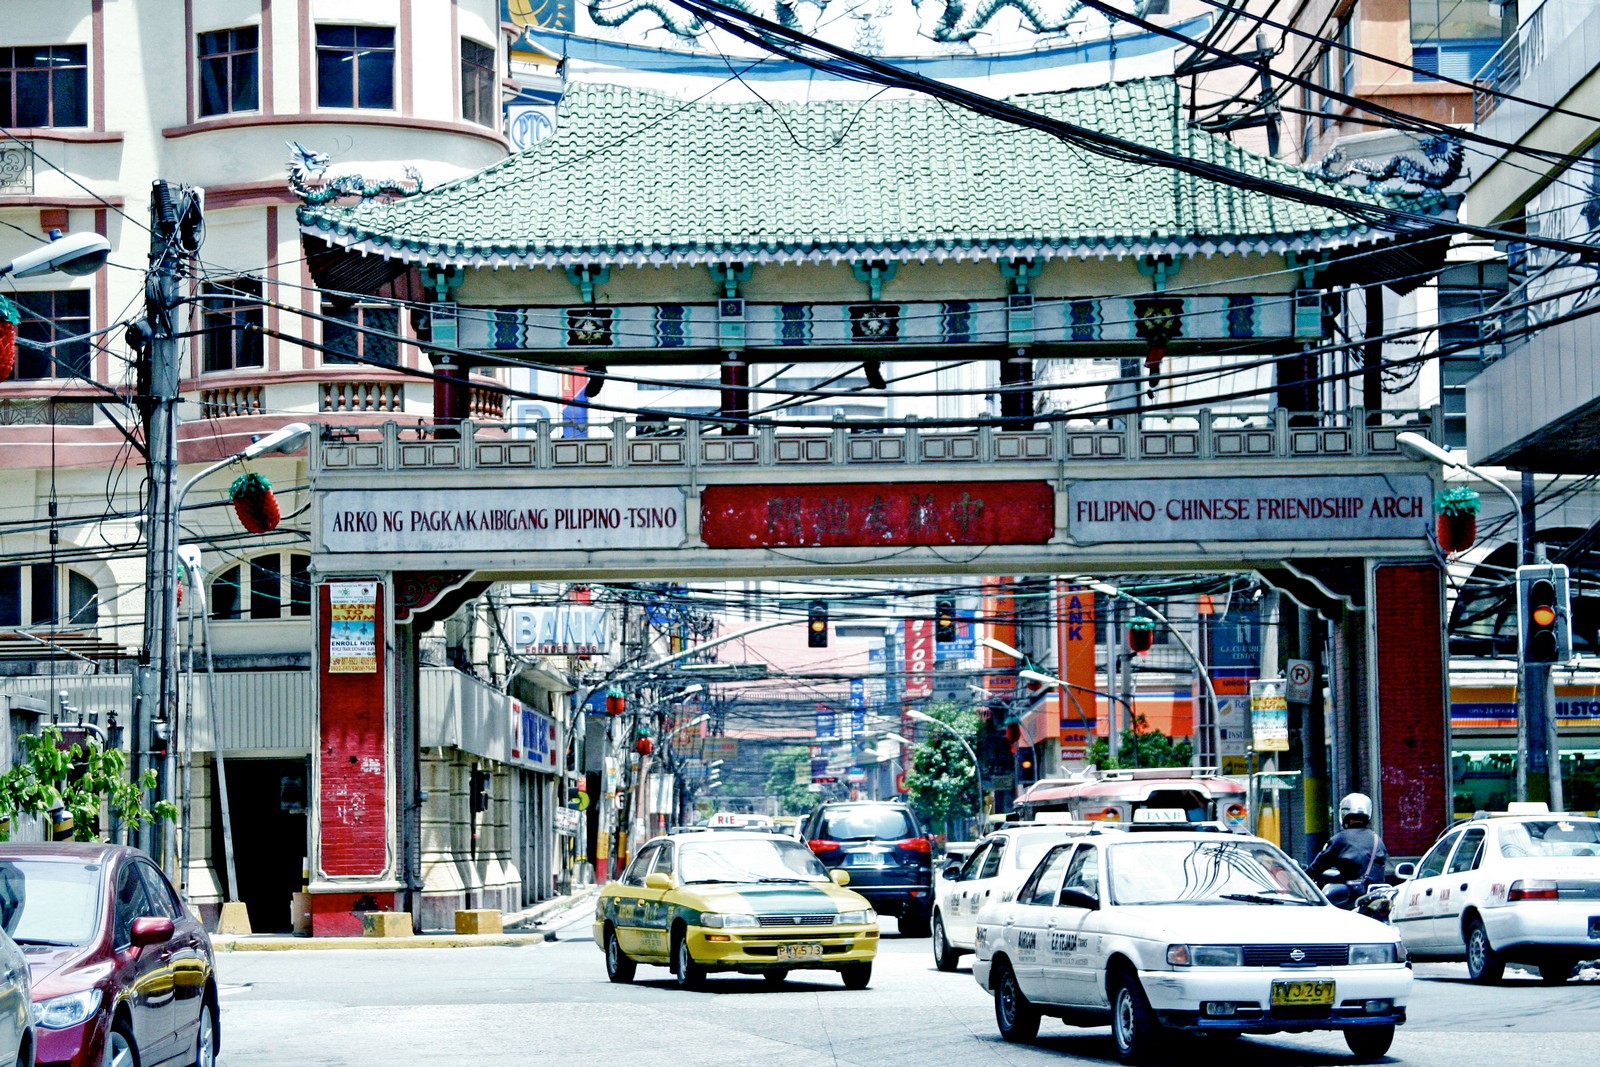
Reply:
x=1410, y=724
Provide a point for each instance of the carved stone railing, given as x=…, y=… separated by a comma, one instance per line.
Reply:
x=361, y=396
x=630, y=444
x=231, y=400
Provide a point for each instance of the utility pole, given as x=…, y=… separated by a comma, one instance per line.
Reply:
x=174, y=230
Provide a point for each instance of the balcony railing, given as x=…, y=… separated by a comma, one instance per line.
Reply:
x=1508, y=66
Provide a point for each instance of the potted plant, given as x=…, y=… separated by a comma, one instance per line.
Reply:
x=1456, y=518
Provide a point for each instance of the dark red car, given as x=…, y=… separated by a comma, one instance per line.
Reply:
x=123, y=974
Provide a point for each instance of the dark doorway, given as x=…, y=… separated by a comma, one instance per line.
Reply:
x=267, y=799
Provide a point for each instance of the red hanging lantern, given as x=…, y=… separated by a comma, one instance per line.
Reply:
x=1013, y=729
x=10, y=318
x=1141, y=635
x=1456, y=518
x=644, y=746
x=616, y=703
x=254, y=503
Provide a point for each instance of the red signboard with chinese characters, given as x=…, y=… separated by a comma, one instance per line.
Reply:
x=919, y=658
x=873, y=514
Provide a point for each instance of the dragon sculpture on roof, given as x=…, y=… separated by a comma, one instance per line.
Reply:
x=961, y=22
x=1436, y=164
x=783, y=12
x=307, y=166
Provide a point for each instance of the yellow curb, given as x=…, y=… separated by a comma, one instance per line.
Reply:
x=287, y=944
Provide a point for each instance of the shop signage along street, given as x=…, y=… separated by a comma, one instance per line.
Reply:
x=919, y=658
x=560, y=630
x=491, y=519
x=1200, y=510
x=876, y=514
x=1269, y=716
x=533, y=738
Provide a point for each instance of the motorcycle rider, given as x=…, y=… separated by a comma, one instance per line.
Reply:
x=1356, y=855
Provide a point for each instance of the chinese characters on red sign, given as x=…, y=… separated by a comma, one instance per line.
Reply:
x=866, y=515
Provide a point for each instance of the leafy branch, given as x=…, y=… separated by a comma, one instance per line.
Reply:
x=80, y=780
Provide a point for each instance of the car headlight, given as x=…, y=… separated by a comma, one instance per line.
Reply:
x=728, y=919
x=857, y=918
x=1368, y=954
x=58, y=1013
x=1205, y=955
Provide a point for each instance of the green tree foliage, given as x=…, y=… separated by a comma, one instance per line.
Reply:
x=788, y=774
x=942, y=786
x=80, y=779
x=1142, y=746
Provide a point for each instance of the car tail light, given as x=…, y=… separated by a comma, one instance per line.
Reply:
x=1532, y=889
x=915, y=844
x=819, y=845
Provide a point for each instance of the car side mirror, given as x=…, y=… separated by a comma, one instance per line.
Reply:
x=1078, y=898
x=840, y=878
x=952, y=870
x=657, y=880
x=151, y=930
x=1405, y=871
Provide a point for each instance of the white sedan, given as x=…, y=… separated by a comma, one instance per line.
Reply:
x=993, y=871
x=1521, y=888
x=1190, y=930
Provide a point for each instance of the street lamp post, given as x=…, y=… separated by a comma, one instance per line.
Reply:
x=1050, y=680
x=1536, y=749
x=977, y=768
x=287, y=438
x=1110, y=590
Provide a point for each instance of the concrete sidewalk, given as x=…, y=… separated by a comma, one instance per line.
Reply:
x=522, y=928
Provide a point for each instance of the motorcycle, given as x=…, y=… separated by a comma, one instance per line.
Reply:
x=1376, y=902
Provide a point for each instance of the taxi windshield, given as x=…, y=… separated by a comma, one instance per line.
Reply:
x=1208, y=871
x=1550, y=837
x=775, y=859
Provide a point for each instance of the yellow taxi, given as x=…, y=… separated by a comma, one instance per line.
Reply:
x=755, y=903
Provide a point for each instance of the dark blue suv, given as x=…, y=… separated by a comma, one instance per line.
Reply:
x=882, y=846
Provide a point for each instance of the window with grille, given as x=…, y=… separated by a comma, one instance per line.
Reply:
x=355, y=66
x=1452, y=38
x=230, y=321
x=480, y=89
x=45, y=85
x=230, y=64
x=365, y=333
x=274, y=585
x=41, y=595
x=57, y=322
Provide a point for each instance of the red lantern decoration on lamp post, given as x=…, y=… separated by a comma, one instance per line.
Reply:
x=616, y=703
x=1141, y=635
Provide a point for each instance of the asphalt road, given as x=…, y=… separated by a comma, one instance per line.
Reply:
x=550, y=1004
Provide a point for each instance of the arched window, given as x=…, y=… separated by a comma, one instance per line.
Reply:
x=274, y=585
x=39, y=595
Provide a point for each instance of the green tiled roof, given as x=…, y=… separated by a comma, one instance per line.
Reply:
x=635, y=176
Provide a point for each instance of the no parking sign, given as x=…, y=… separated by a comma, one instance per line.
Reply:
x=1298, y=675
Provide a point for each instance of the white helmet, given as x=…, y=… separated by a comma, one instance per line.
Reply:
x=1355, y=804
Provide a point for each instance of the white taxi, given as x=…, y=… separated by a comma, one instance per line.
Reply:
x=1191, y=930
x=992, y=871
x=1522, y=888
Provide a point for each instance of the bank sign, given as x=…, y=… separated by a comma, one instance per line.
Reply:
x=489, y=519
x=1348, y=507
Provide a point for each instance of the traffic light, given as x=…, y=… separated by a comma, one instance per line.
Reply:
x=1026, y=771
x=944, y=620
x=817, y=629
x=1543, y=613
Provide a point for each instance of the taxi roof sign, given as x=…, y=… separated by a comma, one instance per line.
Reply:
x=1160, y=815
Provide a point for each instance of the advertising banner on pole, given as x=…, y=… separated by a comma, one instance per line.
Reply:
x=919, y=658
x=1269, y=716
